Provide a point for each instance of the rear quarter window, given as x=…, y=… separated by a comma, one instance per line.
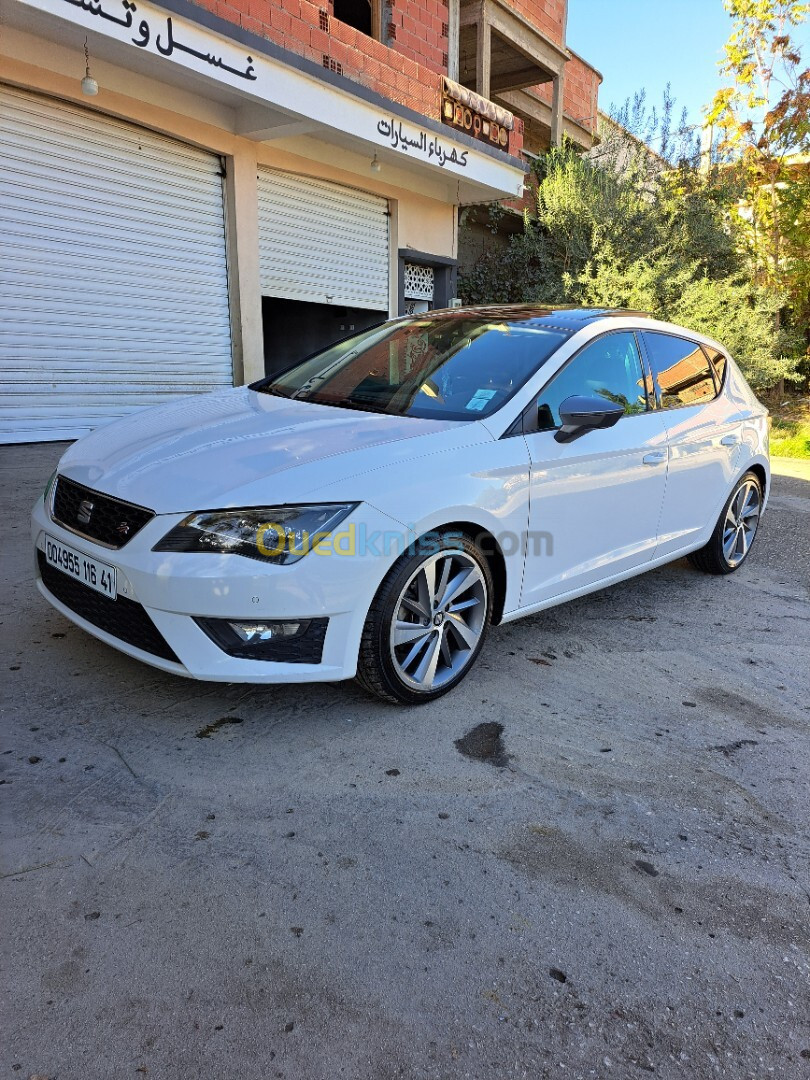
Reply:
x=718, y=362
x=682, y=372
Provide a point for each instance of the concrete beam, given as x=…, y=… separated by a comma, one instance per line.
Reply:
x=264, y=125
x=516, y=80
x=524, y=37
x=536, y=110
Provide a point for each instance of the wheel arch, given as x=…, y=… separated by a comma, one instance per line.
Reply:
x=759, y=468
x=760, y=472
x=491, y=550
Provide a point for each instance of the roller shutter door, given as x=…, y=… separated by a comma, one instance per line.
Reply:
x=322, y=242
x=113, y=274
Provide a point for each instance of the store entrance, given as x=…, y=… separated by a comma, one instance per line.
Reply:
x=294, y=329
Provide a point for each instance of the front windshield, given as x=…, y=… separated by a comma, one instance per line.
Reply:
x=447, y=367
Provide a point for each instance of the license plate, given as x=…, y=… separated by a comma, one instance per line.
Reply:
x=90, y=572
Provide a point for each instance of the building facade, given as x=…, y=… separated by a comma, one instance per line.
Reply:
x=552, y=92
x=196, y=194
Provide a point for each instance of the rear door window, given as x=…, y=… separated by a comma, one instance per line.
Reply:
x=681, y=370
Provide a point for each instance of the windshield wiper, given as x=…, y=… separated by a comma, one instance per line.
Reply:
x=272, y=390
x=345, y=403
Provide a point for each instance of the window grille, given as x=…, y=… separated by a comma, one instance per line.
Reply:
x=418, y=282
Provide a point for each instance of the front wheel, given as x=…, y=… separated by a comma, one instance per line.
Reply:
x=735, y=529
x=427, y=623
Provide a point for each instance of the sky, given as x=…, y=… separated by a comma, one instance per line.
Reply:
x=639, y=44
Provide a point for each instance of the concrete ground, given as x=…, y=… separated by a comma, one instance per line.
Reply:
x=240, y=883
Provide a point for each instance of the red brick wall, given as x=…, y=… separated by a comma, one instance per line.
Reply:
x=580, y=93
x=420, y=32
x=297, y=25
x=547, y=15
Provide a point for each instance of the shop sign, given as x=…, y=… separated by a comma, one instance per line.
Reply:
x=427, y=146
x=461, y=116
x=159, y=34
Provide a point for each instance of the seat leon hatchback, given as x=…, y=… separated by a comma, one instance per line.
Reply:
x=373, y=510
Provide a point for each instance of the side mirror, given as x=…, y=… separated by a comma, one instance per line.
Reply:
x=582, y=414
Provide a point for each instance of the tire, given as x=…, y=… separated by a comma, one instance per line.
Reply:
x=735, y=530
x=428, y=621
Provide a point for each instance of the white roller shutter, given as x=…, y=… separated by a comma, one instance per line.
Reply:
x=322, y=242
x=113, y=275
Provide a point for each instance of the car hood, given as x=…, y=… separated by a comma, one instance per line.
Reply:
x=242, y=448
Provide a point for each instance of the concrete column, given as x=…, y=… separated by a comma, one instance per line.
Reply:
x=453, y=23
x=393, y=259
x=483, y=55
x=558, y=84
x=242, y=219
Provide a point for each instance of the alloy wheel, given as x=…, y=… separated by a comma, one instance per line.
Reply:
x=740, y=526
x=438, y=620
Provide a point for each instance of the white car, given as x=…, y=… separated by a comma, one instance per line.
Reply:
x=374, y=509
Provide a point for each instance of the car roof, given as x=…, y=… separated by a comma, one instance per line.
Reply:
x=568, y=318
x=540, y=315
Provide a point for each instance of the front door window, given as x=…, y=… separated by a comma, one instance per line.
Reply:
x=609, y=368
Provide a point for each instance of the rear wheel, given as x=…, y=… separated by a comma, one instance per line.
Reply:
x=427, y=624
x=735, y=530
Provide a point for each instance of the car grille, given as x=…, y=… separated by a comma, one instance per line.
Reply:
x=110, y=521
x=124, y=619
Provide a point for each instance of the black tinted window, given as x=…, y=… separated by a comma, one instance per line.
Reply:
x=681, y=369
x=609, y=368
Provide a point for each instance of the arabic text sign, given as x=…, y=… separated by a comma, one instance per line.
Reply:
x=150, y=31
x=159, y=35
x=430, y=146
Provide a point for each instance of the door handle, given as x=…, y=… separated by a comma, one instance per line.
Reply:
x=657, y=457
x=730, y=440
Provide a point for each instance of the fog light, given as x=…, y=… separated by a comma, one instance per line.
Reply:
x=285, y=641
x=252, y=633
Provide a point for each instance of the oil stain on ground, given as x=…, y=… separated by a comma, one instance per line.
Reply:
x=209, y=729
x=484, y=743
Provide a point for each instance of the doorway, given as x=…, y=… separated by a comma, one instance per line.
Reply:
x=294, y=329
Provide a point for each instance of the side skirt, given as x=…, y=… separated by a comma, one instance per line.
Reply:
x=603, y=583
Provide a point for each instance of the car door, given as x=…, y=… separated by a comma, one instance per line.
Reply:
x=595, y=502
x=703, y=435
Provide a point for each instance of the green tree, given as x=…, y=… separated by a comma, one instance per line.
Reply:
x=732, y=308
x=763, y=120
x=662, y=245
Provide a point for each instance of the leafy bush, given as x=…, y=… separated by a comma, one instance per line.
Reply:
x=742, y=316
x=732, y=310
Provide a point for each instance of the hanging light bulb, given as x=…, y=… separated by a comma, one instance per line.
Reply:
x=375, y=164
x=89, y=84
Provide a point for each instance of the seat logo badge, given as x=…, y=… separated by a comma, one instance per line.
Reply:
x=84, y=512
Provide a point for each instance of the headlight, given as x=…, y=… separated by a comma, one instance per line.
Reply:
x=276, y=534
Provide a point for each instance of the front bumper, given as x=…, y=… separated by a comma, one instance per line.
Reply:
x=172, y=588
